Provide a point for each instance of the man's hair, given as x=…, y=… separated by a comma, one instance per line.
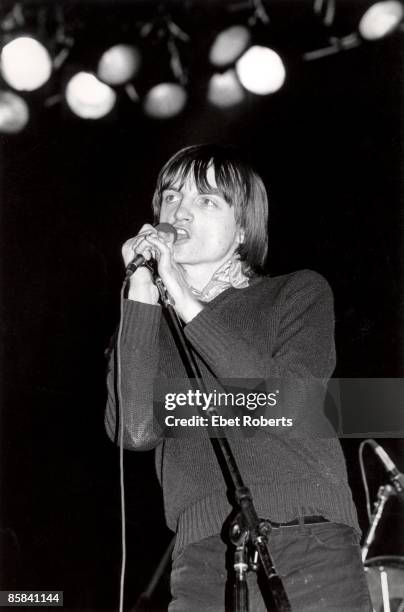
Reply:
x=238, y=184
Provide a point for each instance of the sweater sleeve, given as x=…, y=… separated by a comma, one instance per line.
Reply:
x=304, y=345
x=139, y=366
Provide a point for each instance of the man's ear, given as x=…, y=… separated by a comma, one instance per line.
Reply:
x=240, y=236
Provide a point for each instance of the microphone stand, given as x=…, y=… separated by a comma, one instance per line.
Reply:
x=246, y=531
x=383, y=495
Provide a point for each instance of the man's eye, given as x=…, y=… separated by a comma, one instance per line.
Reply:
x=209, y=202
x=170, y=197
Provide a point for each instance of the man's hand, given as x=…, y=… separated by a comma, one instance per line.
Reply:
x=141, y=286
x=172, y=275
x=159, y=245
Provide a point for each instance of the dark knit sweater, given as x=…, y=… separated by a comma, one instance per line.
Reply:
x=276, y=327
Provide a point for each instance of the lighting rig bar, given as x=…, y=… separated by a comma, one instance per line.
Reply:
x=87, y=56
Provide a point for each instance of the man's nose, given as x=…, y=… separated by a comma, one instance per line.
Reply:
x=183, y=211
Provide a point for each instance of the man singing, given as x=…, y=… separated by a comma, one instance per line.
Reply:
x=240, y=325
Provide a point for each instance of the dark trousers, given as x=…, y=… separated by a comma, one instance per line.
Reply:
x=320, y=566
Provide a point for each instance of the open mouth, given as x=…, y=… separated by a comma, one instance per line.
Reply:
x=182, y=234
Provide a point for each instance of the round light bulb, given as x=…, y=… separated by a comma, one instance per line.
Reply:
x=25, y=64
x=14, y=113
x=229, y=45
x=165, y=100
x=88, y=97
x=261, y=70
x=119, y=64
x=381, y=19
x=224, y=90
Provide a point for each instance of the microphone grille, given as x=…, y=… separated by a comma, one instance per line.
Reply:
x=168, y=228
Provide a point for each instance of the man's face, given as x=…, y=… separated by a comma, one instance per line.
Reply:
x=207, y=230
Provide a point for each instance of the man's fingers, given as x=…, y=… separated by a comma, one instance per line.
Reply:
x=162, y=249
x=136, y=246
x=149, y=243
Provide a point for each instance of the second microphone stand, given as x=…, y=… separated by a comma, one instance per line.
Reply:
x=383, y=495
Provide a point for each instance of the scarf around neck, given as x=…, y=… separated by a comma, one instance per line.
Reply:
x=230, y=274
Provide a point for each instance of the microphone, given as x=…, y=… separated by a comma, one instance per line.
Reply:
x=139, y=260
x=396, y=478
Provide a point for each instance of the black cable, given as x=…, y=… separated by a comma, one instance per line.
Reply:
x=120, y=416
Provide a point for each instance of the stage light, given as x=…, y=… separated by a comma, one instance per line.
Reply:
x=261, y=70
x=88, y=97
x=224, y=90
x=14, y=113
x=25, y=64
x=165, y=100
x=119, y=64
x=381, y=19
x=229, y=45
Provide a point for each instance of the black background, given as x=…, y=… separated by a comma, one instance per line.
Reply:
x=329, y=147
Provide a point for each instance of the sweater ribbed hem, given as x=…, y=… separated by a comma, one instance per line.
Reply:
x=281, y=504
x=141, y=324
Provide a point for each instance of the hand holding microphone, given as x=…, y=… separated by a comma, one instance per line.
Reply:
x=136, y=252
x=157, y=243
x=142, y=248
